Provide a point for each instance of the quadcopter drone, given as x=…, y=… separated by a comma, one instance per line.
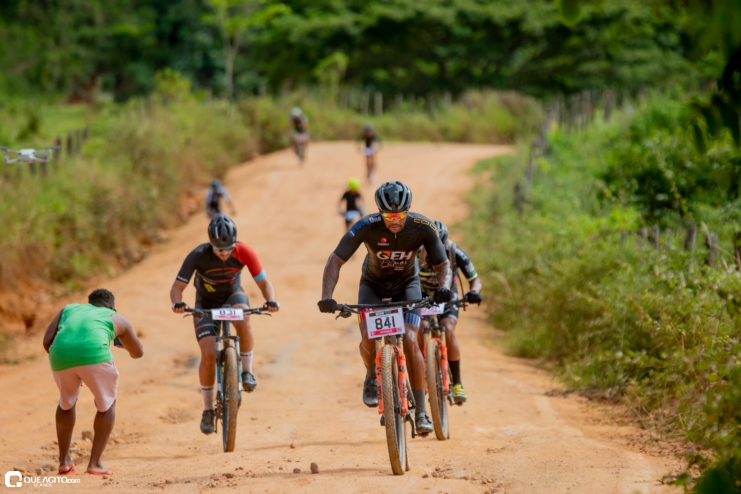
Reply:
x=29, y=155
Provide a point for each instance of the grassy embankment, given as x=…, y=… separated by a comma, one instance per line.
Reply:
x=145, y=165
x=574, y=285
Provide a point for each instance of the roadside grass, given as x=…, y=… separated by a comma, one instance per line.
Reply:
x=573, y=285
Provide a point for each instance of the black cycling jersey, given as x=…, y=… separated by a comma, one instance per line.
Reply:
x=300, y=123
x=462, y=262
x=391, y=263
x=351, y=200
x=370, y=139
x=217, y=279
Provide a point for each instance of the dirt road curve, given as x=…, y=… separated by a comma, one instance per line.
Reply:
x=307, y=407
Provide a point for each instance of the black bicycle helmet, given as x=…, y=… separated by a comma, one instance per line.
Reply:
x=393, y=197
x=222, y=232
x=442, y=230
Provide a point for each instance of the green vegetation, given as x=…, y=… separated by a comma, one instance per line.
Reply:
x=146, y=160
x=574, y=284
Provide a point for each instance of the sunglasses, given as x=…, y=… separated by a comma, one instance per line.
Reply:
x=227, y=249
x=394, y=216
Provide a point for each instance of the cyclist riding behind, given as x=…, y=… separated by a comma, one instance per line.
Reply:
x=392, y=237
x=218, y=265
x=300, y=125
x=214, y=195
x=371, y=144
x=354, y=205
x=459, y=260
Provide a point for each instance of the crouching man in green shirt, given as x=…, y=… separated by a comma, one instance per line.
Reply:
x=77, y=341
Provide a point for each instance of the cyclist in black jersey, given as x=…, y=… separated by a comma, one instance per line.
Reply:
x=214, y=195
x=392, y=238
x=459, y=261
x=354, y=206
x=371, y=144
x=218, y=266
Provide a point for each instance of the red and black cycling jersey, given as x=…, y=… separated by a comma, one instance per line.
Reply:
x=391, y=262
x=462, y=262
x=216, y=278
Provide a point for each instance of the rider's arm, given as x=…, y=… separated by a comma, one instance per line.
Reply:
x=125, y=334
x=183, y=278
x=469, y=271
x=51, y=331
x=331, y=275
x=268, y=292
x=437, y=257
x=228, y=200
x=176, y=294
x=360, y=204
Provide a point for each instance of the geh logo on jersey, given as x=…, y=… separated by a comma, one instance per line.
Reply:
x=394, y=258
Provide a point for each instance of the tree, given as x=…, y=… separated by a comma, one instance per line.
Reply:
x=236, y=21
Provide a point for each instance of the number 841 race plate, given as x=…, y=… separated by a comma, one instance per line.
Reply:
x=386, y=322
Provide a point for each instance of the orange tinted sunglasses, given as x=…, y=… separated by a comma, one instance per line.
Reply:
x=394, y=216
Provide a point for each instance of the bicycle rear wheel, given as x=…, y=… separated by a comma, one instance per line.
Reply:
x=438, y=404
x=393, y=419
x=230, y=405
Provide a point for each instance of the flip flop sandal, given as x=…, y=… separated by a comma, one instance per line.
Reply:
x=99, y=472
x=68, y=472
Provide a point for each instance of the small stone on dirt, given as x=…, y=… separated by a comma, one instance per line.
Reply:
x=105, y=477
x=314, y=468
x=296, y=470
x=168, y=481
x=425, y=476
x=293, y=446
x=39, y=471
x=229, y=475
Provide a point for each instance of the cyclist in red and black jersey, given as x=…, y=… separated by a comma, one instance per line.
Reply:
x=218, y=266
x=390, y=270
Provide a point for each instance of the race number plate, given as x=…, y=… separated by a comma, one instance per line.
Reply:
x=387, y=322
x=433, y=310
x=227, y=314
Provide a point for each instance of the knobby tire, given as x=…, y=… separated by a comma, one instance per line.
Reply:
x=438, y=404
x=395, y=425
x=231, y=399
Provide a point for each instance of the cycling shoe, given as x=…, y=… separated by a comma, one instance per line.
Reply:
x=370, y=392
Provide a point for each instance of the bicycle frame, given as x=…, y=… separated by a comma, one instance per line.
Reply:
x=224, y=335
x=434, y=331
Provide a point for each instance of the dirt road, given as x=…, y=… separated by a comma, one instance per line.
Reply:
x=510, y=437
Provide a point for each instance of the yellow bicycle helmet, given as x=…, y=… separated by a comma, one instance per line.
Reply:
x=353, y=184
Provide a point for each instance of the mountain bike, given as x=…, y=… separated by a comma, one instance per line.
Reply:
x=300, y=139
x=385, y=324
x=437, y=372
x=228, y=368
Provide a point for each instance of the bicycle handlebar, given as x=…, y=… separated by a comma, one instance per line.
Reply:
x=347, y=310
x=207, y=312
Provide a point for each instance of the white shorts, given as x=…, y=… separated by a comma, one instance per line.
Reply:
x=369, y=151
x=352, y=215
x=102, y=379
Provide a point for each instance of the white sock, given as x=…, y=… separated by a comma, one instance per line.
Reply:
x=247, y=361
x=208, y=397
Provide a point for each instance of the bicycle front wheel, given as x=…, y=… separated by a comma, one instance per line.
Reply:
x=438, y=404
x=230, y=405
x=392, y=417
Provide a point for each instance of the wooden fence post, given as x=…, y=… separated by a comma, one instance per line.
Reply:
x=711, y=242
x=690, y=238
x=364, y=101
x=519, y=198
x=70, y=145
x=737, y=249
x=378, y=104
x=654, y=236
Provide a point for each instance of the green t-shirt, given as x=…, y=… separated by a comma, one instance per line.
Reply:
x=84, y=335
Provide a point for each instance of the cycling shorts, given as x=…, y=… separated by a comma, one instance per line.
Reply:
x=369, y=151
x=351, y=216
x=367, y=294
x=205, y=326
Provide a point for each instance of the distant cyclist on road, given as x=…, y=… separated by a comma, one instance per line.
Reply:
x=459, y=260
x=370, y=143
x=392, y=237
x=218, y=265
x=214, y=195
x=300, y=125
x=354, y=206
